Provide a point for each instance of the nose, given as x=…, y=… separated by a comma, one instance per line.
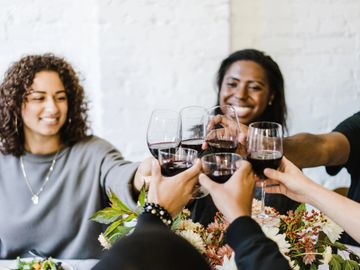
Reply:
x=241, y=91
x=51, y=106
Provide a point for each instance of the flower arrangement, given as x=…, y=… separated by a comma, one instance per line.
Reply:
x=306, y=239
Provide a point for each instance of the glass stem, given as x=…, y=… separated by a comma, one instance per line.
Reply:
x=263, y=194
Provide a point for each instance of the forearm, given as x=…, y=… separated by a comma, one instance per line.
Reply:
x=310, y=150
x=341, y=210
x=253, y=250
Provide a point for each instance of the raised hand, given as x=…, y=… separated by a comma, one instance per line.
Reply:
x=234, y=197
x=290, y=181
x=172, y=193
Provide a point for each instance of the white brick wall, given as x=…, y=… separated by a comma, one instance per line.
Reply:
x=316, y=44
x=134, y=55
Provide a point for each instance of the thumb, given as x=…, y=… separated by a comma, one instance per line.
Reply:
x=155, y=171
x=207, y=183
x=275, y=175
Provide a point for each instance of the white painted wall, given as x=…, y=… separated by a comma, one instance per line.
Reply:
x=316, y=44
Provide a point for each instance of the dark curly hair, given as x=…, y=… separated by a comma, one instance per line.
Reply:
x=18, y=78
x=277, y=112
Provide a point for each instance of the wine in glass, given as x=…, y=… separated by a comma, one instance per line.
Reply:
x=193, y=127
x=163, y=131
x=265, y=150
x=220, y=166
x=222, y=129
x=176, y=160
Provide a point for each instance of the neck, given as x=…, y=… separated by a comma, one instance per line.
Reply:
x=41, y=146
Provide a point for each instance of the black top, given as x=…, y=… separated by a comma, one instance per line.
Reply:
x=350, y=127
x=154, y=246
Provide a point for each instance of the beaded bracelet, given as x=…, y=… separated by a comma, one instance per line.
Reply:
x=157, y=210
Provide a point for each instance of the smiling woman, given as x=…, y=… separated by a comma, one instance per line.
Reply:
x=53, y=174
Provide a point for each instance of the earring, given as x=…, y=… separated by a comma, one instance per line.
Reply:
x=270, y=102
x=69, y=120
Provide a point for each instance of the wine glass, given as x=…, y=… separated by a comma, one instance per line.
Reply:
x=163, y=131
x=220, y=166
x=176, y=160
x=265, y=150
x=222, y=129
x=193, y=127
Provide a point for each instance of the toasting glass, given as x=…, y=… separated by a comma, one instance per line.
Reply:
x=220, y=166
x=265, y=150
x=163, y=131
x=222, y=129
x=193, y=127
x=176, y=160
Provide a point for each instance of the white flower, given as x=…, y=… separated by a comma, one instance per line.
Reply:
x=327, y=255
x=194, y=239
x=332, y=230
x=188, y=224
x=279, y=239
x=228, y=264
x=104, y=241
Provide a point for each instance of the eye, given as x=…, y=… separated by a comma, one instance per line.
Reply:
x=255, y=87
x=232, y=84
x=61, y=98
x=35, y=97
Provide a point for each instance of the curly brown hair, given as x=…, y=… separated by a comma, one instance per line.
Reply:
x=17, y=80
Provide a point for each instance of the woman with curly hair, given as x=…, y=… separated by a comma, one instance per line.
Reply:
x=53, y=174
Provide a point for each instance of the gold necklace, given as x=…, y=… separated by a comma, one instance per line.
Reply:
x=35, y=196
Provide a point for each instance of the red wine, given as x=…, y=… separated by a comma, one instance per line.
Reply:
x=264, y=159
x=217, y=146
x=193, y=144
x=221, y=175
x=172, y=168
x=155, y=147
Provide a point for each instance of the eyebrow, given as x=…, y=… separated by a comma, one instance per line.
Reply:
x=44, y=92
x=251, y=81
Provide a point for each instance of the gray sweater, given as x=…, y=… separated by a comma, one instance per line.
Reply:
x=59, y=225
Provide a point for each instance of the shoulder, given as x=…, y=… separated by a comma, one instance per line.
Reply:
x=94, y=144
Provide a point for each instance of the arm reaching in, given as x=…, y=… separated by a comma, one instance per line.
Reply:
x=310, y=150
x=292, y=183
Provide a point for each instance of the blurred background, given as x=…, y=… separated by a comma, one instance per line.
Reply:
x=135, y=56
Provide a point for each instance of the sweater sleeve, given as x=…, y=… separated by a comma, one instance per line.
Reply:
x=253, y=250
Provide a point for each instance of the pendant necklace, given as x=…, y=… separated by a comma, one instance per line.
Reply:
x=35, y=196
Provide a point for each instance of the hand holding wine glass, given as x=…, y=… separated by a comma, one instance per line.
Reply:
x=265, y=150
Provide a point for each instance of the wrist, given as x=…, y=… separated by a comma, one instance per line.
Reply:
x=159, y=211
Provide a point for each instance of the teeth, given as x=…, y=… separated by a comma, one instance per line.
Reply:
x=241, y=109
x=49, y=120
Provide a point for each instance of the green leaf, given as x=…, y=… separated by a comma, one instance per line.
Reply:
x=112, y=227
x=116, y=203
x=106, y=215
x=313, y=266
x=354, y=264
x=142, y=196
x=336, y=262
x=119, y=232
x=301, y=207
x=339, y=245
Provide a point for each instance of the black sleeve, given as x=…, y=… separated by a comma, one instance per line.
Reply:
x=350, y=127
x=253, y=250
x=146, y=220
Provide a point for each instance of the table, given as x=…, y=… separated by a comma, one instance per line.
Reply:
x=76, y=264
